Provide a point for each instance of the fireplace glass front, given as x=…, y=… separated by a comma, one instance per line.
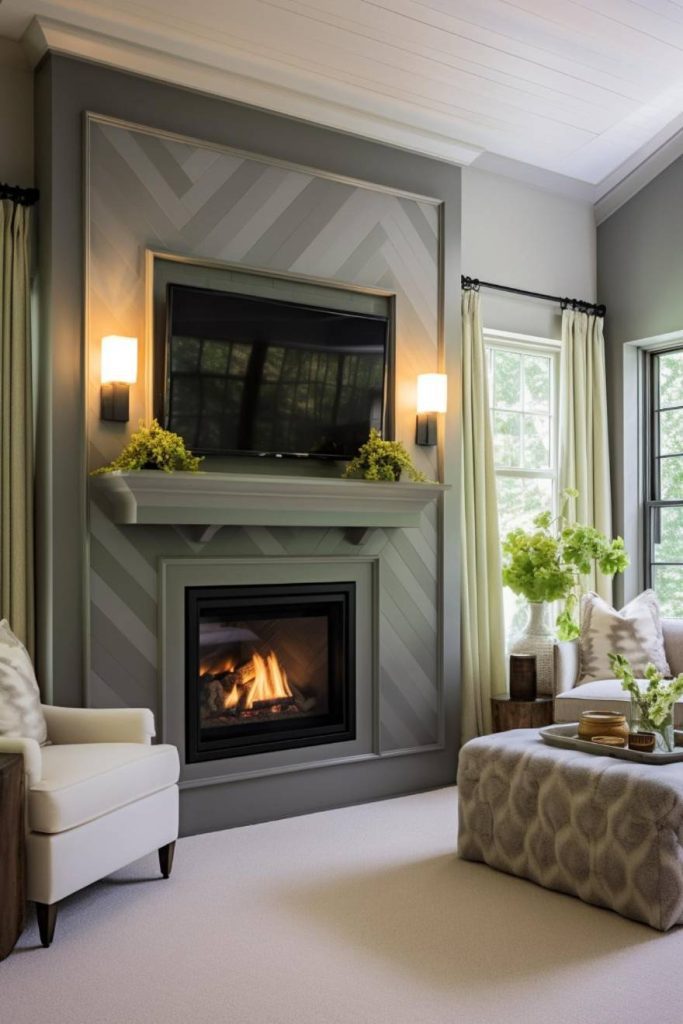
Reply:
x=268, y=667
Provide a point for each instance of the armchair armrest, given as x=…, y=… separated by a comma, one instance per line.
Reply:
x=33, y=759
x=99, y=725
x=566, y=665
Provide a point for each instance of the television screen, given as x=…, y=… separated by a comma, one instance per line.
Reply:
x=246, y=374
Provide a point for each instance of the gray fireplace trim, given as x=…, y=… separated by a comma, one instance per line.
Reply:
x=175, y=574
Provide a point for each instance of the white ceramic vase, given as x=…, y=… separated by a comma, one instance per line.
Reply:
x=538, y=638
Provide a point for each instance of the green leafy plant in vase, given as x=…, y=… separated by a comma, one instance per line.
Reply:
x=153, y=447
x=546, y=564
x=652, y=705
x=378, y=459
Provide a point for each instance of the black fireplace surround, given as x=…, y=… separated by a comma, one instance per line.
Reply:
x=268, y=668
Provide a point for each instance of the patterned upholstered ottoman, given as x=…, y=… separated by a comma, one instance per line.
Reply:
x=607, y=831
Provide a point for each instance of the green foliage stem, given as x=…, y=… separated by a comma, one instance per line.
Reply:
x=153, y=447
x=655, y=701
x=378, y=459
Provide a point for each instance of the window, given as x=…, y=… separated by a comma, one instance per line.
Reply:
x=523, y=393
x=664, y=480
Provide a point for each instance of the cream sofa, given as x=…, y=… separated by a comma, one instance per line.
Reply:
x=571, y=700
x=99, y=796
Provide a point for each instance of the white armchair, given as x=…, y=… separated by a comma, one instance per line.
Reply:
x=99, y=796
x=573, y=698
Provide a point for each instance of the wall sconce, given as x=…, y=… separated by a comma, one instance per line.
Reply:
x=431, y=399
x=119, y=369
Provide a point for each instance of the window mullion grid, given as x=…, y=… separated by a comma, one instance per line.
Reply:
x=525, y=474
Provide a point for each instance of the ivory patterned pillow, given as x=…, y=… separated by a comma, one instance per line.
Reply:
x=20, y=710
x=635, y=632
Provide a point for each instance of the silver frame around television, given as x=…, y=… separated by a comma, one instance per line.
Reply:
x=241, y=279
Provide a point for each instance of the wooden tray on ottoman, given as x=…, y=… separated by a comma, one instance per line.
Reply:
x=567, y=736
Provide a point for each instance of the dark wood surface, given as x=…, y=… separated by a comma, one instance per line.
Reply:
x=12, y=852
x=46, y=914
x=166, y=859
x=521, y=714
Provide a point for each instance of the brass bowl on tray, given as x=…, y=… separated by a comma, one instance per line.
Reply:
x=603, y=723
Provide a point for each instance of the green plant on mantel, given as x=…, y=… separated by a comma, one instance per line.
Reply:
x=153, y=447
x=378, y=459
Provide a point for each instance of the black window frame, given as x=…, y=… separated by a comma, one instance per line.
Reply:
x=653, y=502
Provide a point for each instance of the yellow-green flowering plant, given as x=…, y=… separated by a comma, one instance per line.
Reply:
x=547, y=562
x=378, y=459
x=153, y=447
x=652, y=704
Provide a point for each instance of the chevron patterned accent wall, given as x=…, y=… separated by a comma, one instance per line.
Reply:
x=150, y=191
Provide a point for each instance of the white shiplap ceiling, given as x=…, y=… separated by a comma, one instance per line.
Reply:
x=582, y=88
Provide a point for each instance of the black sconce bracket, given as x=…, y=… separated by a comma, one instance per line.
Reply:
x=425, y=429
x=114, y=402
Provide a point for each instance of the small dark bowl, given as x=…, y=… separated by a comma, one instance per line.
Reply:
x=642, y=741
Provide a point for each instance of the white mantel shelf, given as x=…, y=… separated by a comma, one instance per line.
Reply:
x=213, y=500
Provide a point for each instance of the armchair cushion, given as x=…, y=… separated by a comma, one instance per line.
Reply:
x=20, y=710
x=84, y=781
x=99, y=725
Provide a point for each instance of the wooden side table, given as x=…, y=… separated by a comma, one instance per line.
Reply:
x=12, y=852
x=521, y=714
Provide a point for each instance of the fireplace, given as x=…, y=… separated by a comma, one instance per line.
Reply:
x=268, y=668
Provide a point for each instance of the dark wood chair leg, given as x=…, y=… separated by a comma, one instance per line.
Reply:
x=47, y=918
x=166, y=858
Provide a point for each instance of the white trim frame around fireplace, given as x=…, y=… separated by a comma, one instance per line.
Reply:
x=176, y=574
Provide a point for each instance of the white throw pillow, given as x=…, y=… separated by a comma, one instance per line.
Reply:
x=20, y=710
x=635, y=632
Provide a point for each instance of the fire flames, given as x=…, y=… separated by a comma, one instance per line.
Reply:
x=260, y=679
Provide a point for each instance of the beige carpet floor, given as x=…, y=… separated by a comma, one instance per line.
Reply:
x=357, y=916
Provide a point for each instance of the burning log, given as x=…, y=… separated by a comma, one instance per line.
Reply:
x=254, y=687
x=240, y=676
x=263, y=709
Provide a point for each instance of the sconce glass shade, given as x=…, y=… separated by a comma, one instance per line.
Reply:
x=119, y=360
x=432, y=389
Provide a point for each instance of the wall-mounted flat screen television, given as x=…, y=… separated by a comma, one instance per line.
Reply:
x=252, y=375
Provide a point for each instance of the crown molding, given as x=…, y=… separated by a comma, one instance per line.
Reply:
x=252, y=82
x=535, y=177
x=621, y=186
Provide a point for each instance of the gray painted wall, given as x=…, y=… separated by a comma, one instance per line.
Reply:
x=640, y=275
x=517, y=235
x=65, y=89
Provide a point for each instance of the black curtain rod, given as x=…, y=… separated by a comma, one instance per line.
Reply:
x=581, y=305
x=23, y=196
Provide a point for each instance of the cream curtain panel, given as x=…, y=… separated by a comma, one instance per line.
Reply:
x=584, y=450
x=16, y=425
x=482, y=620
